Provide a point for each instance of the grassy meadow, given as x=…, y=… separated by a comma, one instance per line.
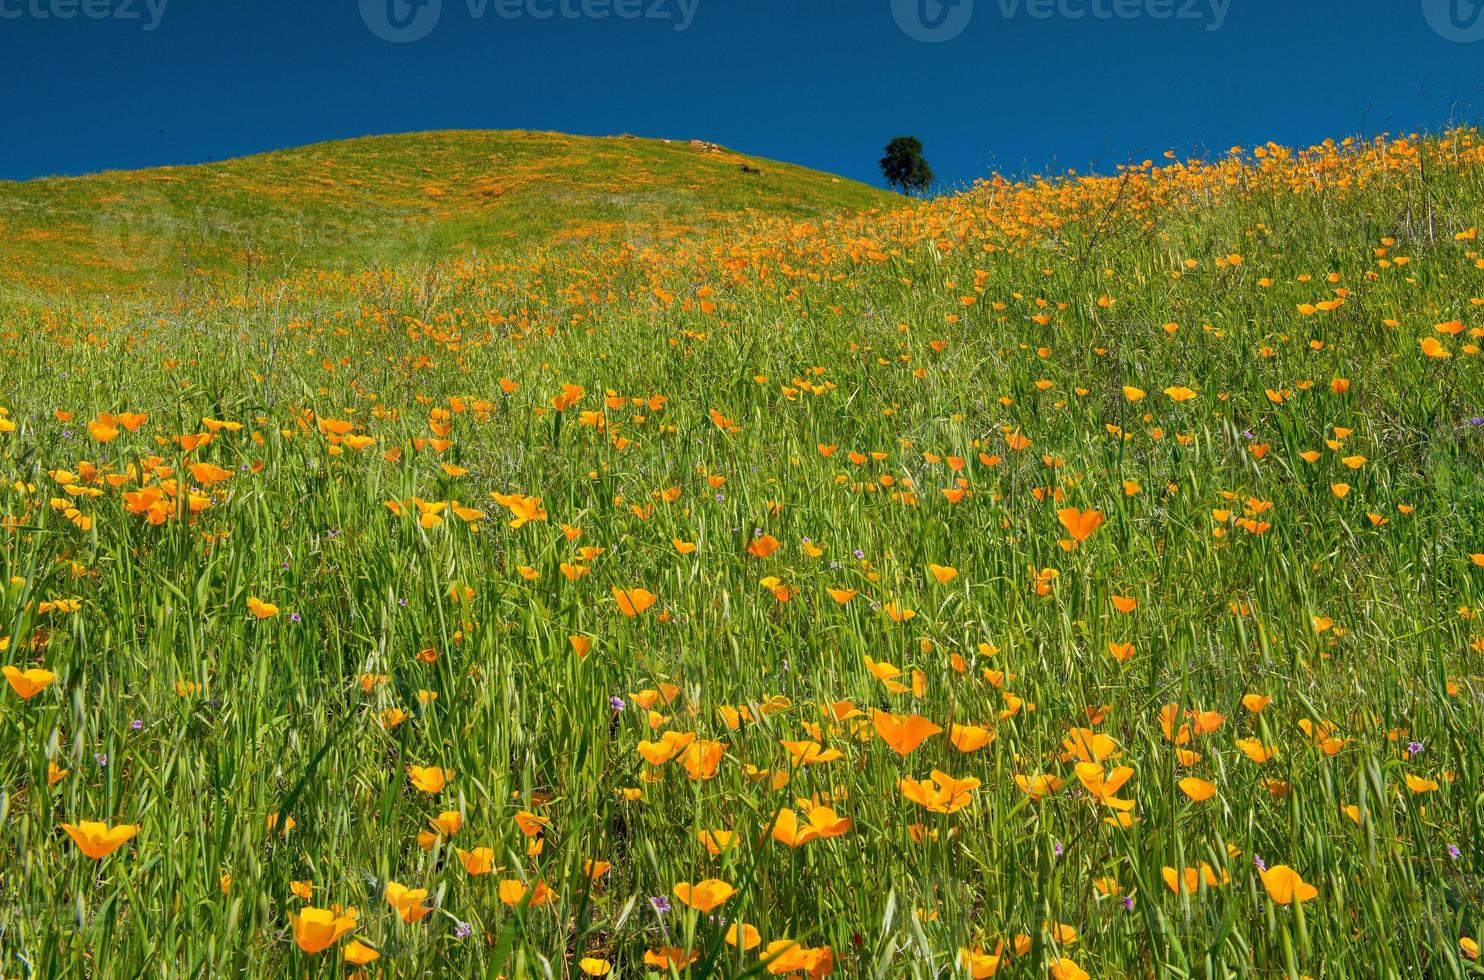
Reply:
x=1070, y=577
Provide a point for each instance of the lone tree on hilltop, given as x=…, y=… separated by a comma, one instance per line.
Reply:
x=905, y=167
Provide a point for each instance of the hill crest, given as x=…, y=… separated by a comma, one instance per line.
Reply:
x=393, y=199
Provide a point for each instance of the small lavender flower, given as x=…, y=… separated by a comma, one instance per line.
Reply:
x=616, y=703
x=136, y=724
x=402, y=603
x=721, y=497
x=1477, y=420
x=859, y=554
x=1453, y=852
x=1128, y=902
x=101, y=758
x=1056, y=848
x=1414, y=748
x=1260, y=863
x=296, y=617
x=463, y=930
x=661, y=904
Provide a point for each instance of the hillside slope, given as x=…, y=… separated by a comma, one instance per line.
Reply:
x=1093, y=564
x=386, y=200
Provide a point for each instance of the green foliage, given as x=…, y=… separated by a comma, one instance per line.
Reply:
x=905, y=167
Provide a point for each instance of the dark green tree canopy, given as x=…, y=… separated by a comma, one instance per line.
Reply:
x=904, y=166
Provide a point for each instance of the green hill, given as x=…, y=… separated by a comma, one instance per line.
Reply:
x=389, y=200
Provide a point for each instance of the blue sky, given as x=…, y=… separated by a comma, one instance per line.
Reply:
x=1013, y=85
